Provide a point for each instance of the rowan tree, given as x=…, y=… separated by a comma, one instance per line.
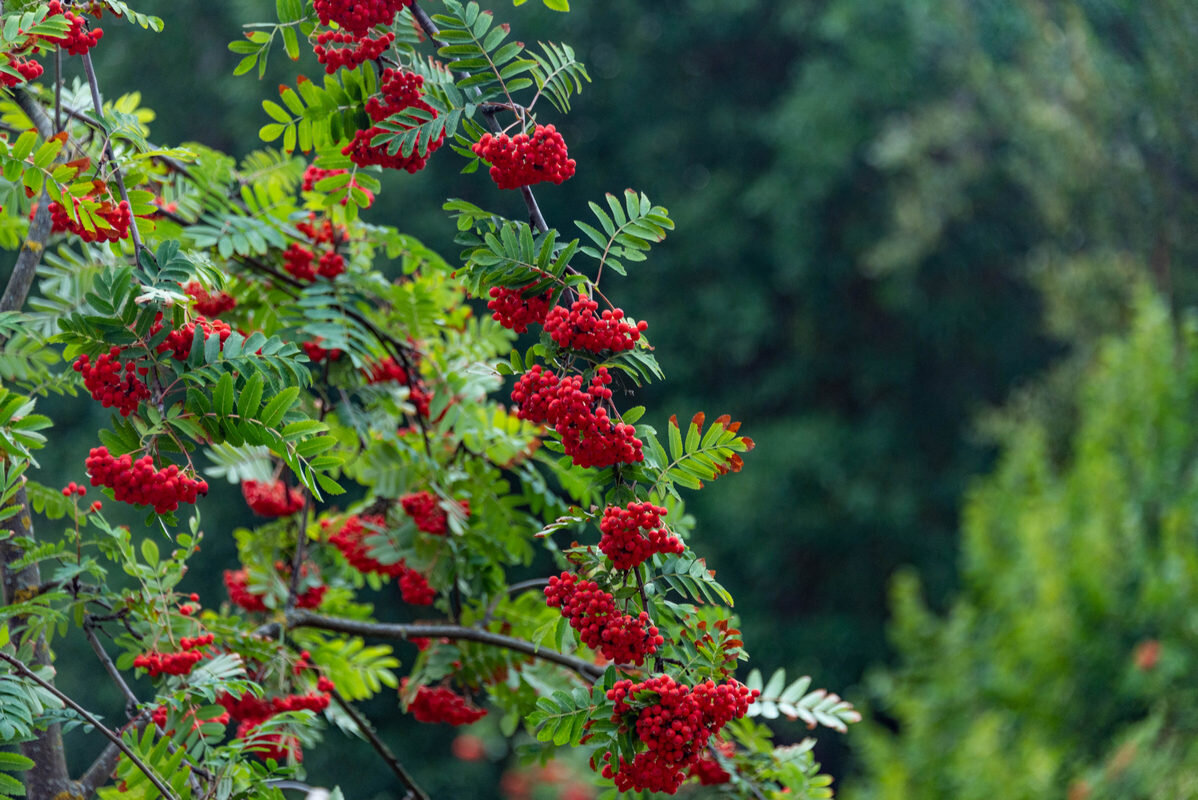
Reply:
x=483, y=471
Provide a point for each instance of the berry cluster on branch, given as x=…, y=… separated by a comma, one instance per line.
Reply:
x=178, y=342
x=141, y=483
x=358, y=16
x=514, y=311
x=117, y=217
x=337, y=49
x=589, y=436
x=581, y=328
x=601, y=626
x=350, y=539
x=179, y=662
x=78, y=40
x=674, y=727
x=441, y=704
x=633, y=534
x=523, y=160
x=398, y=90
x=113, y=385
x=271, y=498
x=427, y=513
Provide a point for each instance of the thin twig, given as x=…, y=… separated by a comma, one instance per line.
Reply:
x=90, y=71
x=380, y=747
x=131, y=701
x=25, y=672
x=100, y=771
x=406, y=631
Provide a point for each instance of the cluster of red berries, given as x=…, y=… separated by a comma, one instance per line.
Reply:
x=350, y=539
x=251, y=712
x=441, y=705
x=398, y=90
x=29, y=70
x=140, y=483
x=118, y=217
x=74, y=488
x=357, y=50
x=511, y=309
x=675, y=728
x=298, y=260
x=271, y=498
x=601, y=626
x=210, y=305
x=633, y=534
x=708, y=771
x=427, y=512
x=77, y=40
x=314, y=175
x=110, y=383
x=589, y=436
x=388, y=370
x=581, y=328
x=523, y=160
x=358, y=16
x=177, y=663
x=178, y=342
x=237, y=584
x=316, y=353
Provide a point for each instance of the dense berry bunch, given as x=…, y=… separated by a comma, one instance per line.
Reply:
x=674, y=728
x=237, y=584
x=297, y=260
x=118, y=218
x=589, y=436
x=350, y=539
x=177, y=663
x=415, y=589
x=388, y=369
x=140, y=483
x=271, y=498
x=523, y=160
x=398, y=90
x=77, y=40
x=337, y=49
x=634, y=533
x=358, y=16
x=427, y=512
x=110, y=383
x=178, y=342
x=29, y=70
x=316, y=353
x=581, y=328
x=442, y=705
x=708, y=770
x=322, y=231
x=210, y=305
x=511, y=309
x=251, y=712
x=600, y=625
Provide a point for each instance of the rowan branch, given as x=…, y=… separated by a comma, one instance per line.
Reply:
x=90, y=71
x=381, y=748
x=111, y=735
x=405, y=631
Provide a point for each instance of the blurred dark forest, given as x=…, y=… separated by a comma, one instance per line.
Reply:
x=902, y=228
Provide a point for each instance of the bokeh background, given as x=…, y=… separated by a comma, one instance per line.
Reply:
x=937, y=256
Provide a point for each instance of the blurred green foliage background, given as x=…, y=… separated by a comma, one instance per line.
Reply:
x=904, y=228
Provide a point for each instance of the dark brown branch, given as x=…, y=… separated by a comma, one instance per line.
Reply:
x=405, y=631
x=111, y=735
x=381, y=748
x=530, y=201
x=131, y=701
x=90, y=71
x=100, y=771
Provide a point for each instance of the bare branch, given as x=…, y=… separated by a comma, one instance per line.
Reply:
x=381, y=748
x=111, y=735
x=405, y=631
